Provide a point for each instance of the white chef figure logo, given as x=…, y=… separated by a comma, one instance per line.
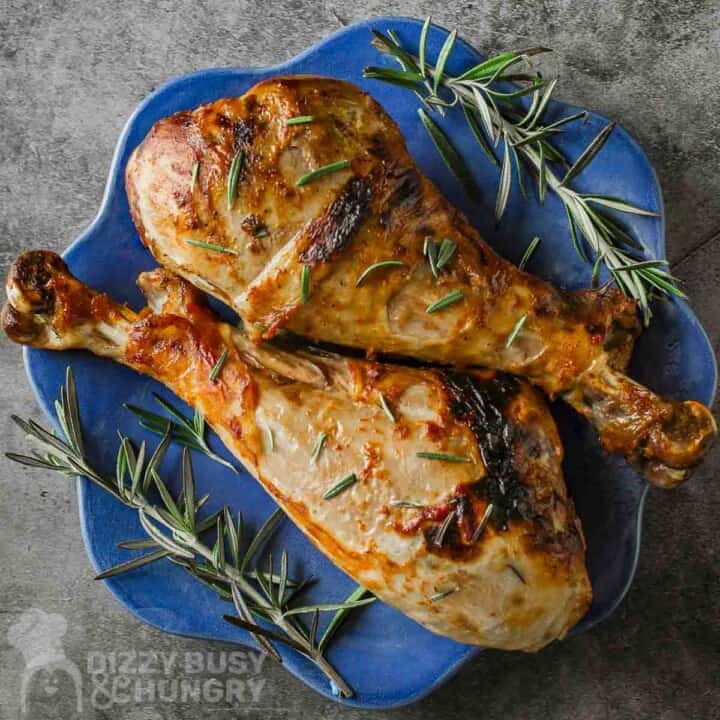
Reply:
x=38, y=636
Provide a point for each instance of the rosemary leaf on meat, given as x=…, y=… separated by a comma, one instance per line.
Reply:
x=386, y=408
x=406, y=504
x=442, y=530
x=270, y=438
x=194, y=176
x=211, y=246
x=227, y=564
x=304, y=284
x=377, y=266
x=438, y=255
x=443, y=302
x=484, y=520
x=447, y=457
x=185, y=431
x=430, y=250
x=300, y=120
x=218, y=365
x=445, y=253
x=437, y=597
x=515, y=331
x=340, y=486
x=318, y=447
x=528, y=253
x=488, y=94
x=321, y=171
x=233, y=175
x=517, y=573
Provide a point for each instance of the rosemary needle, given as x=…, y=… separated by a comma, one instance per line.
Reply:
x=211, y=246
x=515, y=331
x=442, y=531
x=317, y=449
x=528, y=253
x=340, y=486
x=480, y=529
x=233, y=175
x=194, y=176
x=324, y=170
x=443, y=302
x=340, y=616
x=305, y=284
x=386, y=408
x=218, y=365
x=447, y=457
x=300, y=120
x=517, y=573
x=442, y=595
x=270, y=438
x=445, y=253
x=377, y=266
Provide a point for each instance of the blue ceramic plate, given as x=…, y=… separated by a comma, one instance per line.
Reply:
x=388, y=659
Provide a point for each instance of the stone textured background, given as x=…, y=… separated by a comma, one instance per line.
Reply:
x=70, y=75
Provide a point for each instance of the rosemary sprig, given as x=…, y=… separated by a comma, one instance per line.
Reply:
x=194, y=176
x=186, y=431
x=494, y=115
x=321, y=171
x=174, y=528
x=438, y=596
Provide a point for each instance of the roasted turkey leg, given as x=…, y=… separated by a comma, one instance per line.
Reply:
x=245, y=231
x=516, y=582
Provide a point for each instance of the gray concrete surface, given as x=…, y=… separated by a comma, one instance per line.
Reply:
x=70, y=74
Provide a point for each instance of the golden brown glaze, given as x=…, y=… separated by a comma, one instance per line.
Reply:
x=574, y=344
x=519, y=583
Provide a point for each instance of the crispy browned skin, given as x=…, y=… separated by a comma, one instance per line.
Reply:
x=518, y=584
x=574, y=344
